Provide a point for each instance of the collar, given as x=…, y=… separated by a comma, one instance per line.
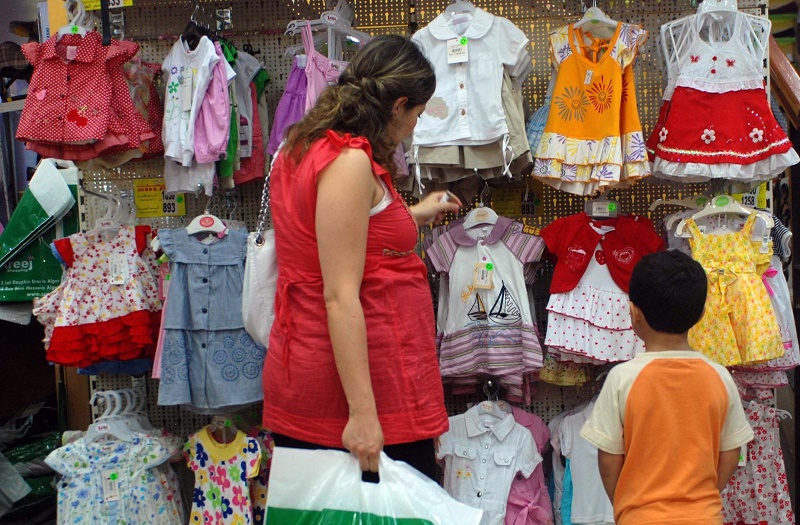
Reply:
x=478, y=27
x=500, y=429
x=221, y=451
x=88, y=46
x=670, y=354
x=462, y=238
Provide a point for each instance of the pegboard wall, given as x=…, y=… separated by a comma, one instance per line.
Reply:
x=156, y=24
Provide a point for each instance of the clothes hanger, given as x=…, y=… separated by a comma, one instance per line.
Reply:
x=457, y=7
x=595, y=17
x=74, y=25
x=723, y=205
x=105, y=425
x=482, y=214
x=207, y=223
x=222, y=429
x=694, y=203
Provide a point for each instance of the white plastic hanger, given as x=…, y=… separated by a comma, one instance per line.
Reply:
x=482, y=214
x=690, y=202
x=75, y=22
x=207, y=223
x=723, y=205
x=595, y=17
x=106, y=425
x=459, y=6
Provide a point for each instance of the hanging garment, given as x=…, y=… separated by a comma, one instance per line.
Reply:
x=107, y=307
x=483, y=451
x=528, y=500
x=738, y=325
x=291, y=107
x=209, y=361
x=593, y=138
x=489, y=327
x=718, y=123
x=259, y=485
x=758, y=492
x=320, y=70
x=221, y=475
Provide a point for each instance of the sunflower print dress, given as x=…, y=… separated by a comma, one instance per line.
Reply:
x=593, y=138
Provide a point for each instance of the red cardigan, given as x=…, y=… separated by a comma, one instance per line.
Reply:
x=573, y=241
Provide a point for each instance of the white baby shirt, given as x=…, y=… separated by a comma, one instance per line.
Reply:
x=483, y=451
x=590, y=503
x=466, y=108
x=188, y=74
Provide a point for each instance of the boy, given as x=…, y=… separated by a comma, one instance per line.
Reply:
x=668, y=424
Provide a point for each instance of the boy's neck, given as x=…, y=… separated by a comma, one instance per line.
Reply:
x=664, y=342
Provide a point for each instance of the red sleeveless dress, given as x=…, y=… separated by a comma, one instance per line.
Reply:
x=303, y=397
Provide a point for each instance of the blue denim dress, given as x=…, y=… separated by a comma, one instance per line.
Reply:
x=208, y=360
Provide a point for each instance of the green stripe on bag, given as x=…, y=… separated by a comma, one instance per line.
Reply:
x=280, y=516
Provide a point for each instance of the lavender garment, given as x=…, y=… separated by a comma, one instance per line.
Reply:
x=528, y=501
x=291, y=107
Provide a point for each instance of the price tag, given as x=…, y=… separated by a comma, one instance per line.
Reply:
x=507, y=202
x=152, y=201
x=482, y=276
x=94, y=5
x=457, y=50
x=588, y=79
x=603, y=209
x=743, y=455
x=186, y=78
x=110, y=485
x=118, y=272
x=755, y=198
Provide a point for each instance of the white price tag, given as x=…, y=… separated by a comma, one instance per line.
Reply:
x=118, y=269
x=110, y=485
x=186, y=89
x=482, y=276
x=457, y=50
x=588, y=79
x=600, y=209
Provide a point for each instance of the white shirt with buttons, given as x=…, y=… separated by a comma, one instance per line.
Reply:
x=466, y=108
x=483, y=451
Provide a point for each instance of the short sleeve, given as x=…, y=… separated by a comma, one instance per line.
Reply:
x=151, y=452
x=526, y=247
x=650, y=241
x=63, y=460
x=552, y=235
x=604, y=429
x=565, y=437
x=631, y=39
x=142, y=233
x=512, y=42
x=119, y=52
x=167, y=239
x=445, y=445
x=31, y=52
x=252, y=454
x=64, y=249
x=441, y=252
x=736, y=431
x=559, y=46
x=196, y=455
x=529, y=457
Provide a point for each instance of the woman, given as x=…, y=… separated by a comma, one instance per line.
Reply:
x=345, y=241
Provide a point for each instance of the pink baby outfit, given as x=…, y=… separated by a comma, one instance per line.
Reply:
x=528, y=501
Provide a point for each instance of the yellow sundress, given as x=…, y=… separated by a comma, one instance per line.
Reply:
x=738, y=325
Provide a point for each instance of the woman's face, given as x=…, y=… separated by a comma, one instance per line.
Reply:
x=404, y=118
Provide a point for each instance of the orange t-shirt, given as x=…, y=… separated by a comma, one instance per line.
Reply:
x=670, y=414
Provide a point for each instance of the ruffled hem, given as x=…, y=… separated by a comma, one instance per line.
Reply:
x=759, y=171
x=568, y=150
x=718, y=87
x=787, y=361
x=773, y=379
x=123, y=338
x=600, y=308
x=576, y=336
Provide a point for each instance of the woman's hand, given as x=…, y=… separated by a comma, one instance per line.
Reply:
x=363, y=437
x=432, y=209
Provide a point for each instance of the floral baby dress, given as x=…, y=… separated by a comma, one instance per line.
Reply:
x=738, y=325
x=593, y=138
x=221, y=475
x=107, y=307
x=718, y=123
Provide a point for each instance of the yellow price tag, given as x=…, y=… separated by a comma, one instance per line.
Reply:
x=151, y=200
x=94, y=5
x=755, y=198
x=507, y=202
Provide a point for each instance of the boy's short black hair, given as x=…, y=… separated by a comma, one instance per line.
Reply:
x=670, y=289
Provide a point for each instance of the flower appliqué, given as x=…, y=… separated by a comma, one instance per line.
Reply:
x=757, y=135
x=173, y=87
x=600, y=95
x=695, y=58
x=662, y=135
x=572, y=104
x=708, y=136
x=437, y=108
x=730, y=61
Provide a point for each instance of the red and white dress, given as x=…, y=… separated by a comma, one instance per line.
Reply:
x=107, y=307
x=718, y=123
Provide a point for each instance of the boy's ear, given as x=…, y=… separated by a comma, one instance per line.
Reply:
x=636, y=314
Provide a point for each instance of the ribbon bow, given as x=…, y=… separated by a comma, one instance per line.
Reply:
x=530, y=512
x=769, y=274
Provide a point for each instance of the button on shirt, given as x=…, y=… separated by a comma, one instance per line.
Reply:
x=466, y=108
x=484, y=449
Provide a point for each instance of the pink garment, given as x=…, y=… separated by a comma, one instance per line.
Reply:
x=252, y=167
x=320, y=69
x=528, y=501
x=163, y=283
x=212, y=127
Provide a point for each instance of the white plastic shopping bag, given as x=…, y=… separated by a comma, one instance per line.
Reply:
x=324, y=487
